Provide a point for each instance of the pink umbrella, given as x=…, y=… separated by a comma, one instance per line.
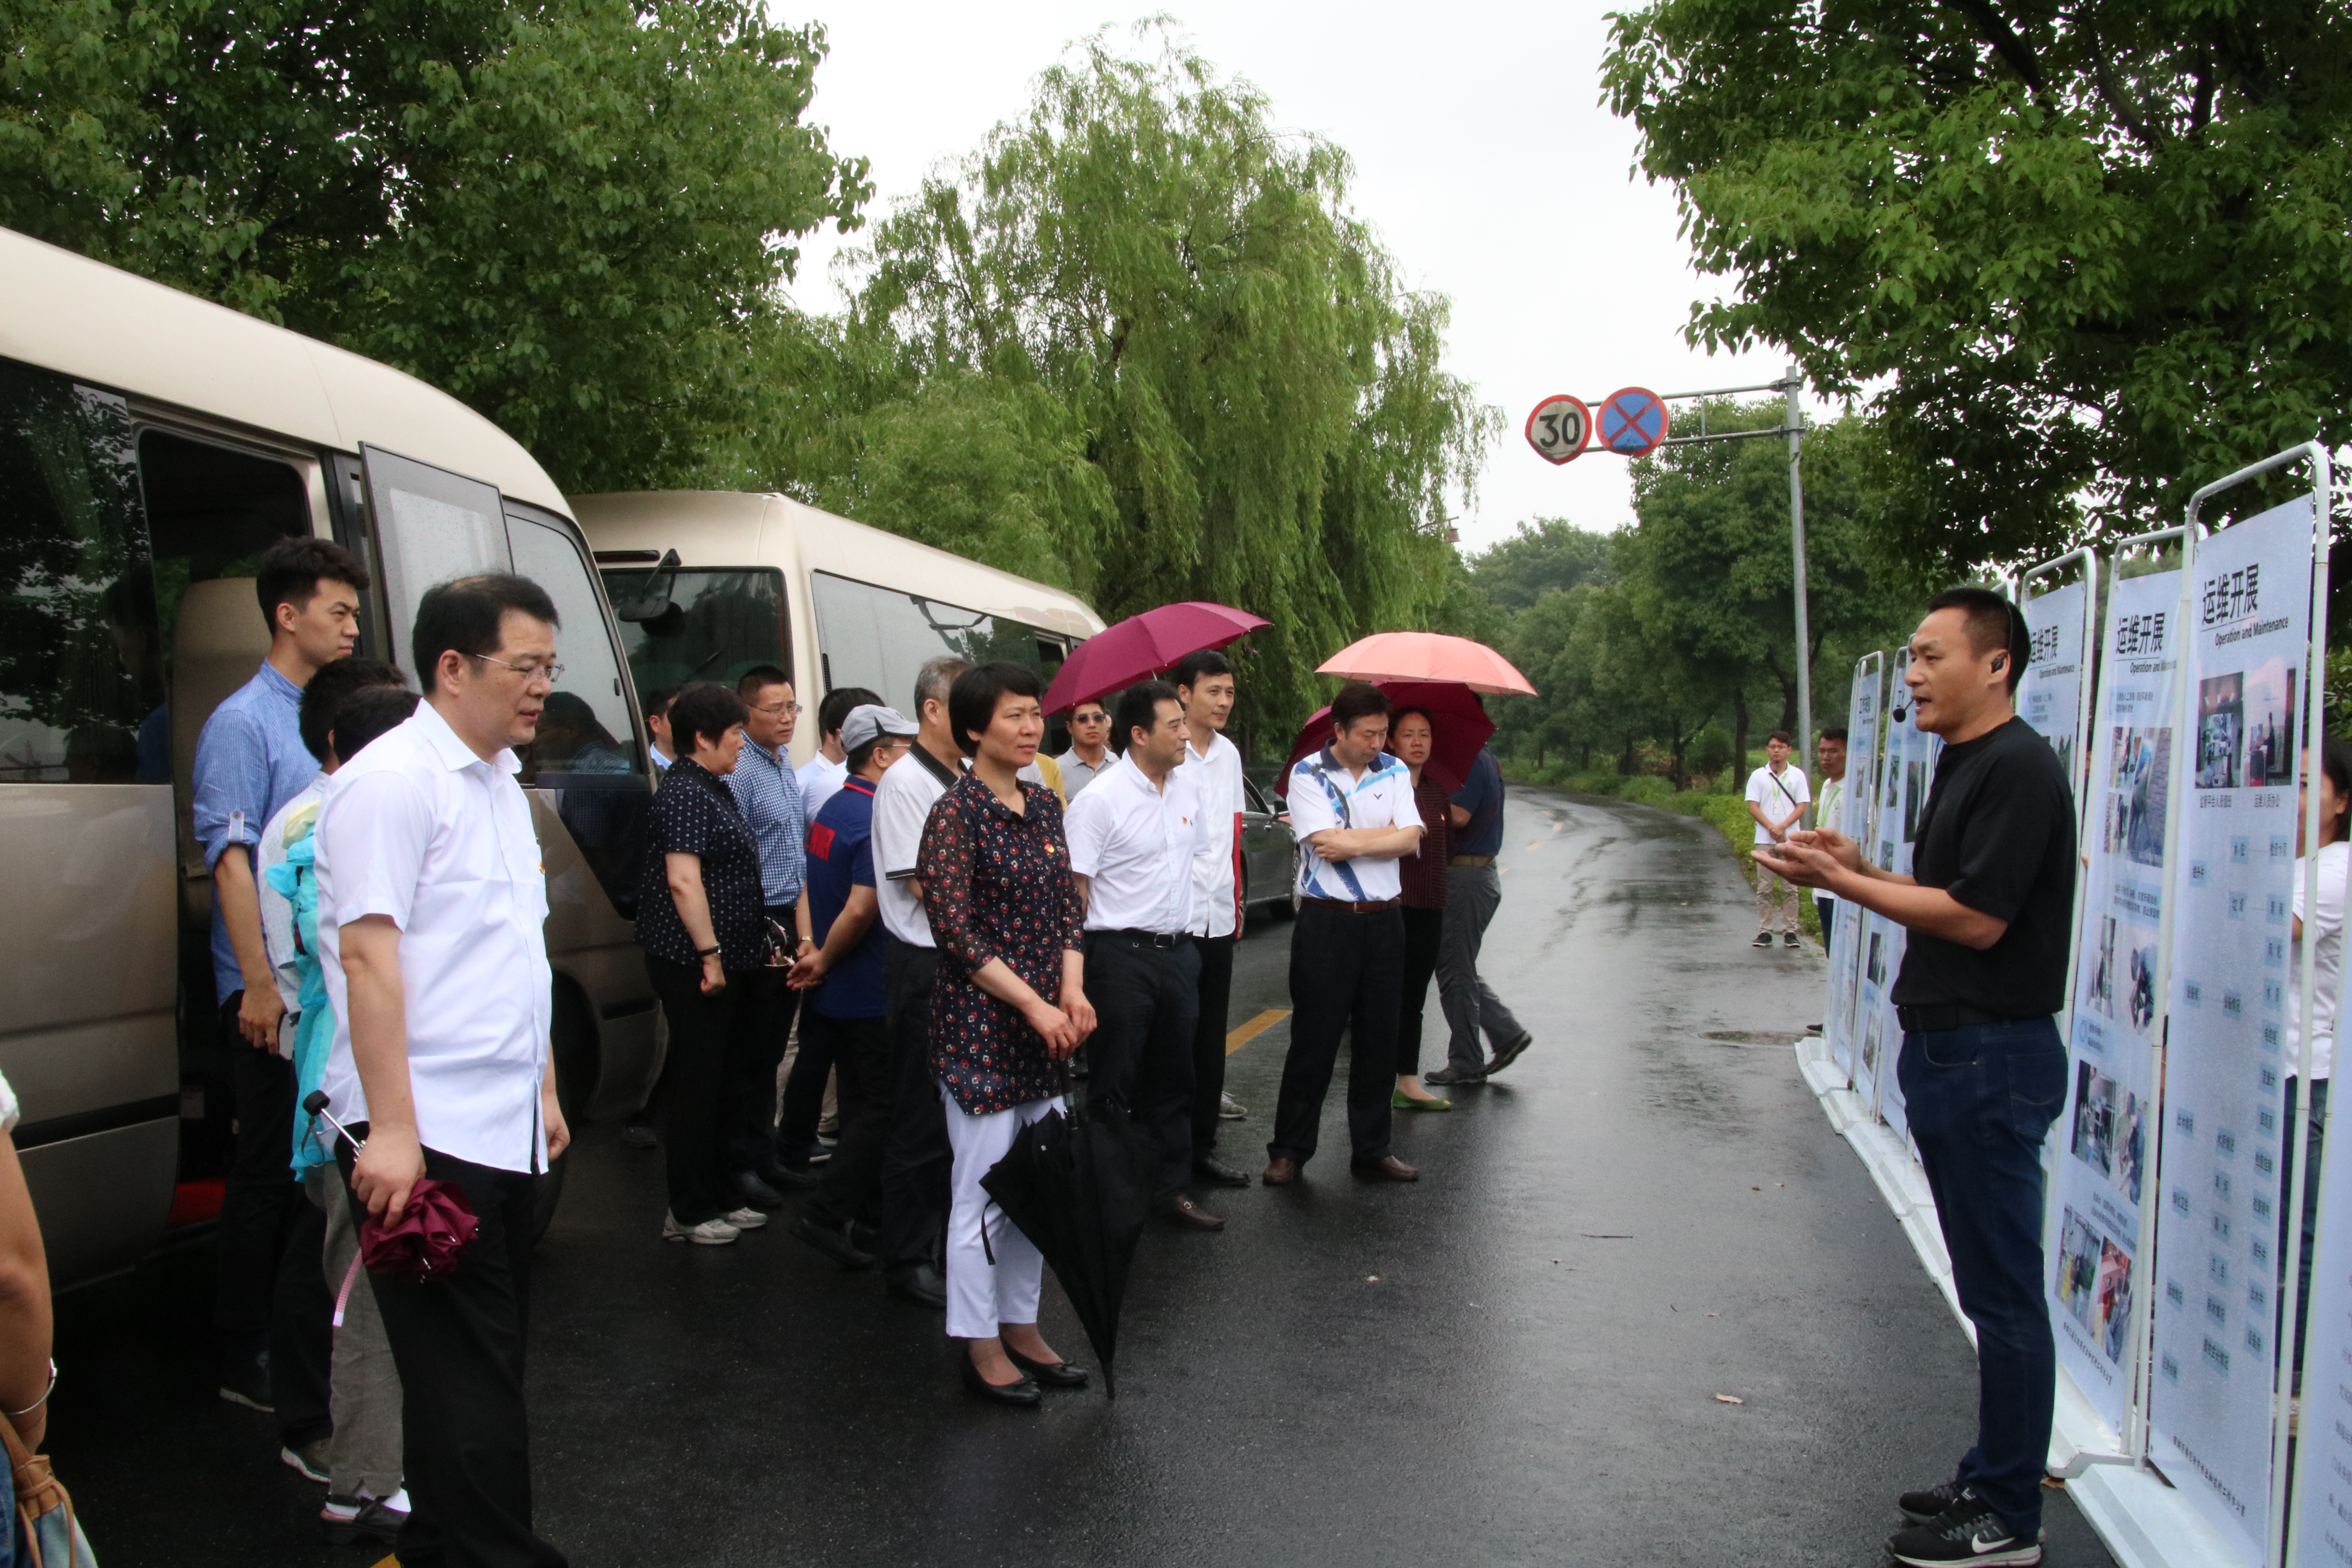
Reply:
x=1141, y=647
x=1426, y=655
x=1458, y=725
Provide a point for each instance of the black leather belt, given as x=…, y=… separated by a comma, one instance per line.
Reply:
x=1365, y=907
x=1935, y=1020
x=1147, y=938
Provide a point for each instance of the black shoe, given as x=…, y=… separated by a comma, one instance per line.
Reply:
x=1931, y=1504
x=1049, y=1374
x=834, y=1244
x=1510, y=1052
x=757, y=1192
x=1454, y=1076
x=245, y=1380
x=865, y=1237
x=1023, y=1393
x=922, y=1284
x=346, y=1519
x=639, y=1135
x=1217, y=1174
x=1967, y=1531
x=1789, y=939
x=783, y=1177
x=1763, y=938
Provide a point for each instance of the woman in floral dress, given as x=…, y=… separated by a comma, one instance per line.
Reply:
x=1010, y=1008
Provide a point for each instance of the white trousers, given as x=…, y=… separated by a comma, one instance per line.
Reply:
x=982, y=1294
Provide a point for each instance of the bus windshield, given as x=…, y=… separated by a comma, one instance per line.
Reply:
x=722, y=621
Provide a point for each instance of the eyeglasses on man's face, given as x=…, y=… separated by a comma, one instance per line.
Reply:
x=778, y=709
x=530, y=669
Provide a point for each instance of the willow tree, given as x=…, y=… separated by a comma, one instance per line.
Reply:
x=1145, y=348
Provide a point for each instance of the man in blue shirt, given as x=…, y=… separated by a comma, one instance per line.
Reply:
x=846, y=1009
x=1473, y=890
x=271, y=1304
x=770, y=796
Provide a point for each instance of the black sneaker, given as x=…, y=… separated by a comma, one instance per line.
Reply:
x=1789, y=939
x=1923, y=1506
x=245, y=1380
x=1967, y=1531
x=1763, y=938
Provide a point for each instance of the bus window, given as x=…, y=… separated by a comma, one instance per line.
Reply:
x=878, y=637
x=431, y=526
x=81, y=667
x=721, y=622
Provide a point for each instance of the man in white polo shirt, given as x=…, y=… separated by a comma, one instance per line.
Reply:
x=431, y=903
x=1204, y=684
x=1352, y=810
x=1136, y=836
x=916, y=1159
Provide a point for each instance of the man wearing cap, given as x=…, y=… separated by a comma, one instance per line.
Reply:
x=842, y=980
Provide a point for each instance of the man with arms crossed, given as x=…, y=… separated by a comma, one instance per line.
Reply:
x=432, y=901
x=1777, y=798
x=1989, y=906
x=1204, y=682
x=1135, y=836
x=1352, y=810
x=915, y=1159
x=270, y=1305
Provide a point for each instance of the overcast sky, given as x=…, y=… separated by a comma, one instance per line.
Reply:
x=1485, y=161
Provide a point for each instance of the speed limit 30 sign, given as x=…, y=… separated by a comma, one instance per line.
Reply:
x=1559, y=429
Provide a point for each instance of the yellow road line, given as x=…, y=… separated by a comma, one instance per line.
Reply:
x=1235, y=1040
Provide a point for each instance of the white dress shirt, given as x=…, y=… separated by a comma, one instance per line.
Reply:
x=418, y=828
x=1218, y=777
x=1381, y=798
x=902, y=805
x=820, y=777
x=1139, y=848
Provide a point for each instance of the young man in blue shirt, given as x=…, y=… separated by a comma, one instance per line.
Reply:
x=843, y=980
x=270, y=1305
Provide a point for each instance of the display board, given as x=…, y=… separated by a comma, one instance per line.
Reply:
x=1903, y=789
x=2106, y=1139
x=2231, y=885
x=1862, y=753
x=2321, y=1527
x=2050, y=695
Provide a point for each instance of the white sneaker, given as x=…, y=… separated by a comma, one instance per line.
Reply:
x=709, y=1233
x=746, y=1218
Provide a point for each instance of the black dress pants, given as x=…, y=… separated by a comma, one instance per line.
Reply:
x=1423, y=928
x=1209, y=1038
x=1346, y=974
x=804, y=1092
x=706, y=1034
x=860, y=1051
x=271, y=1287
x=916, y=1158
x=1147, y=1002
x=750, y=1093
x=458, y=1343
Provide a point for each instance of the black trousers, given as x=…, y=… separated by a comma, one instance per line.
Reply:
x=1216, y=993
x=457, y=1342
x=860, y=1051
x=706, y=1035
x=751, y=1073
x=804, y=1092
x=1422, y=931
x=1346, y=974
x=271, y=1287
x=916, y=1158
x=1147, y=1007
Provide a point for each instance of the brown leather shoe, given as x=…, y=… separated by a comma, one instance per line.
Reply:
x=1387, y=1168
x=1279, y=1172
x=1187, y=1214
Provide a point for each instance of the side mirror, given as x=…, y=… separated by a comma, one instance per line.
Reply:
x=652, y=600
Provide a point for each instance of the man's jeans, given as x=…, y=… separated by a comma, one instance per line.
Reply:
x=1473, y=894
x=1980, y=1099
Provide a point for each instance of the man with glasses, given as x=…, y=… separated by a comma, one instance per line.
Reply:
x=766, y=788
x=1089, y=751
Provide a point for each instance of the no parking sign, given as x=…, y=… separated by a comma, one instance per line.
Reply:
x=1634, y=421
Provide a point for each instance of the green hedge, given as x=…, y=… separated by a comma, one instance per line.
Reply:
x=1727, y=812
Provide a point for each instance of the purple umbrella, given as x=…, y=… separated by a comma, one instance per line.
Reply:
x=1141, y=647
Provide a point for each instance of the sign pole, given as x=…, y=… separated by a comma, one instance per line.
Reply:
x=1796, y=425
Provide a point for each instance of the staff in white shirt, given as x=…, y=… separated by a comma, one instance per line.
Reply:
x=431, y=903
x=1204, y=684
x=1137, y=836
x=917, y=1160
x=658, y=703
x=822, y=775
x=1353, y=812
x=1777, y=798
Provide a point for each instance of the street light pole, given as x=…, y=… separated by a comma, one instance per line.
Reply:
x=1796, y=427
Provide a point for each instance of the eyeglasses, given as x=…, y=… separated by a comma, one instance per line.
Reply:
x=529, y=670
x=775, y=709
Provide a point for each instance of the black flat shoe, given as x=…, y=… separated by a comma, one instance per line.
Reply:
x=1023, y=1393
x=1048, y=1373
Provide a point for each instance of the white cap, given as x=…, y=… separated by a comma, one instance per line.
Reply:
x=869, y=719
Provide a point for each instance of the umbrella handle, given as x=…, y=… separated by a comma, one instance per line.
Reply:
x=315, y=1102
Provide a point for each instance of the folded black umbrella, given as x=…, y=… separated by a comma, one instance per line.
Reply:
x=1079, y=1186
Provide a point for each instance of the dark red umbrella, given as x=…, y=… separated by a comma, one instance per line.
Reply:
x=1141, y=647
x=1458, y=725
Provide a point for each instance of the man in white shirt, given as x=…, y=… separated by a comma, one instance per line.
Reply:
x=658, y=703
x=1135, y=837
x=824, y=774
x=1352, y=809
x=1089, y=751
x=1204, y=684
x=917, y=1160
x=432, y=900
x=1777, y=796
x=1830, y=753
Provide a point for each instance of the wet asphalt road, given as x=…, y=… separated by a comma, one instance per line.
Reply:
x=1516, y=1360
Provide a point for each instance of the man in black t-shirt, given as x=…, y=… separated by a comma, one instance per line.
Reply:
x=1990, y=909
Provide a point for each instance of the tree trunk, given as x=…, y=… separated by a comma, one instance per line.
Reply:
x=1625, y=764
x=1739, y=735
x=1789, y=709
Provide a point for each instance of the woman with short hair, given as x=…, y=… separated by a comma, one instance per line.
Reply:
x=702, y=922
x=1412, y=737
x=1009, y=1009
